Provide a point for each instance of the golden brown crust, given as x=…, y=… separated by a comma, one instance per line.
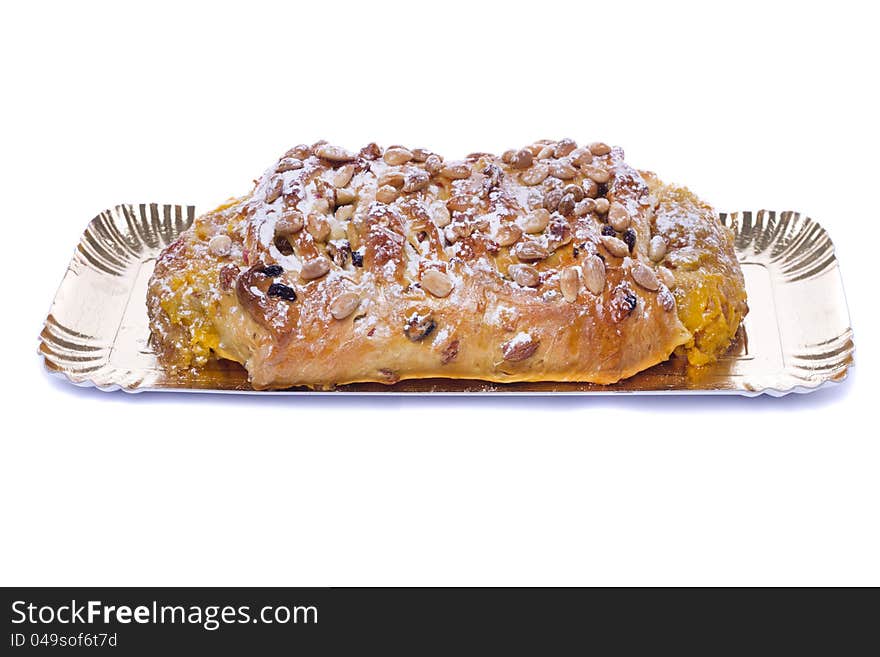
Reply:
x=385, y=265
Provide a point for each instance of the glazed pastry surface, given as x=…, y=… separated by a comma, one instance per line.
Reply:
x=553, y=262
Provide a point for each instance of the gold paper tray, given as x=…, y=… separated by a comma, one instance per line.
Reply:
x=796, y=337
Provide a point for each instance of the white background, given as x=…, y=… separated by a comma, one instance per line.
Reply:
x=764, y=105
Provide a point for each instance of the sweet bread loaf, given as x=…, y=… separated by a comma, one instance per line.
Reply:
x=553, y=262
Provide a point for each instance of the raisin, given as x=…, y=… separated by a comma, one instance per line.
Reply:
x=283, y=291
x=357, y=259
x=608, y=230
x=629, y=236
x=272, y=270
x=283, y=245
x=575, y=251
x=631, y=301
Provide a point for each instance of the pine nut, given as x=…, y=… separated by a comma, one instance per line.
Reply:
x=386, y=194
x=333, y=153
x=581, y=156
x=644, y=276
x=562, y=170
x=344, y=305
x=531, y=252
x=599, y=148
x=597, y=174
x=536, y=221
x=657, y=248
x=437, y=283
x=274, y=190
x=343, y=176
x=318, y=227
x=615, y=246
x=618, y=217
x=456, y=171
x=522, y=159
x=220, y=245
x=536, y=175
x=564, y=147
x=594, y=274
x=397, y=155
x=289, y=224
x=416, y=181
x=570, y=283
x=440, y=216
x=666, y=277
x=508, y=234
x=315, y=268
x=524, y=275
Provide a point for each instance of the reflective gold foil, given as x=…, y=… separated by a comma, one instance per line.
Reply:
x=796, y=337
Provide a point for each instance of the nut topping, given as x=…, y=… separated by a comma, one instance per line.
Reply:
x=339, y=251
x=657, y=248
x=599, y=148
x=581, y=156
x=440, y=215
x=666, y=277
x=666, y=299
x=564, y=147
x=397, y=155
x=644, y=276
x=343, y=176
x=344, y=197
x=386, y=194
x=545, y=153
x=536, y=175
x=597, y=174
x=566, y=205
x=437, y=283
x=575, y=190
x=521, y=347
x=530, y=252
x=618, y=216
x=420, y=154
x=524, y=275
x=274, y=190
x=220, y=245
x=416, y=181
x=562, y=170
x=585, y=207
x=344, y=305
x=333, y=153
x=536, y=221
x=315, y=268
x=433, y=164
x=522, y=159
x=552, y=199
x=290, y=223
x=318, y=227
x=456, y=171
x=614, y=246
x=393, y=178
x=289, y=164
x=570, y=283
x=594, y=274
x=602, y=206
x=508, y=234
